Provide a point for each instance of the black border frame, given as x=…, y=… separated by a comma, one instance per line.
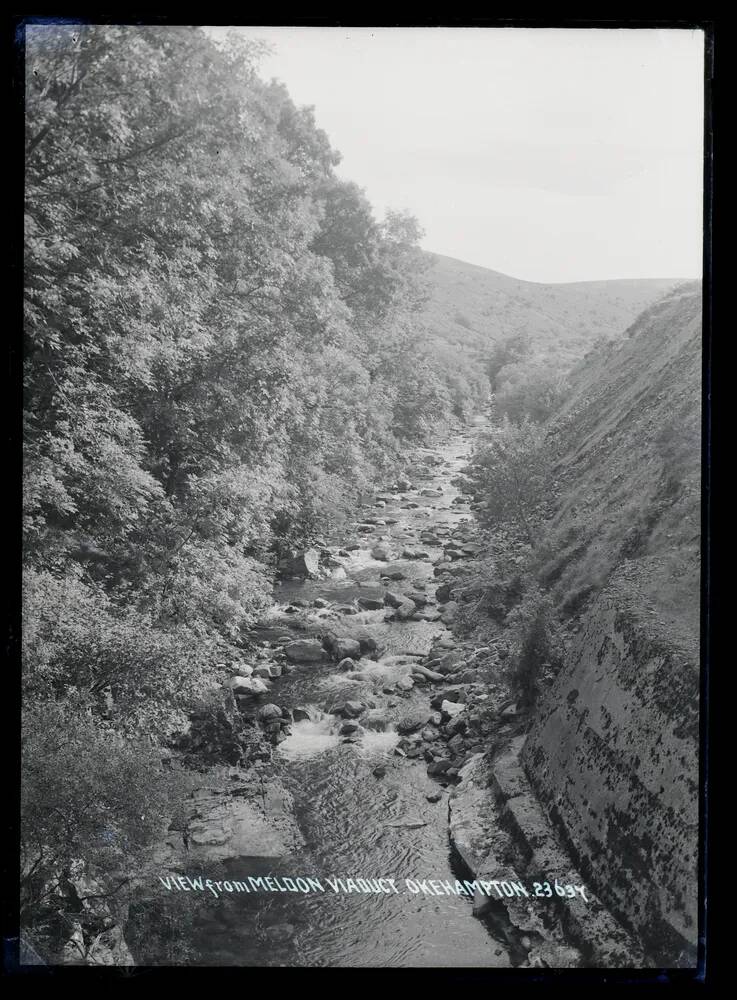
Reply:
x=708, y=960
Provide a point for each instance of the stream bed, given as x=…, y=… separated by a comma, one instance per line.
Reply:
x=363, y=808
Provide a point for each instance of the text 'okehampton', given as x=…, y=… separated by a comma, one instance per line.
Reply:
x=498, y=889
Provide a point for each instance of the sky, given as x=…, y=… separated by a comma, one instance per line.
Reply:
x=547, y=154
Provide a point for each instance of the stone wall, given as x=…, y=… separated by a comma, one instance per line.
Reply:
x=613, y=757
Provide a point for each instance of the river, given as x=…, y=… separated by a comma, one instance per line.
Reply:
x=364, y=810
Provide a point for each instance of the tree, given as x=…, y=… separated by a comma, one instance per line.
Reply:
x=512, y=472
x=527, y=390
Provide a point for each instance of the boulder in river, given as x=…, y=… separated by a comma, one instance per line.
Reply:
x=449, y=612
x=267, y=670
x=370, y=603
x=348, y=727
x=443, y=593
x=303, y=564
x=430, y=675
x=411, y=723
x=450, y=709
x=305, y=651
x=405, y=610
x=456, y=725
x=342, y=647
x=448, y=663
x=426, y=615
x=348, y=709
x=454, y=694
x=240, y=680
x=381, y=552
x=347, y=664
x=367, y=643
x=250, y=685
x=301, y=714
x=269, y=712
x=393, y=600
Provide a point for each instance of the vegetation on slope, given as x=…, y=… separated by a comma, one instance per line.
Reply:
x=609, y=481
x=222, y=348
x=475, y=308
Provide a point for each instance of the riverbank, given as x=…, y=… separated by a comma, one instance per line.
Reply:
x=370, y=707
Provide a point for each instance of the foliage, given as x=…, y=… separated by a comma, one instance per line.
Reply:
x=512, y=473
x=528, y=390
x=537, y=650
x=508, y=351
x=88, y=796
x=221, y=352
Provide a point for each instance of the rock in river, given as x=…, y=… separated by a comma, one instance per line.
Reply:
x=393, y=600
x=305, y=651
x=250, y=685
x=304, y=564
x=343, y=647
x=381, y=552
x=348, y=709
x=405, y=610
x=269, y=712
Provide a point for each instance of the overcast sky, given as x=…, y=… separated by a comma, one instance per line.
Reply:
x=548, y=154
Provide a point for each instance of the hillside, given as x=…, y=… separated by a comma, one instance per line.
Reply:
x=472, y=307
x=629, y=465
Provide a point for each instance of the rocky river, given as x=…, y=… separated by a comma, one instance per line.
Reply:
x=365, y=693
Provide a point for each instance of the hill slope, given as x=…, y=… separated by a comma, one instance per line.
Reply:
x=473, y=307
x=613, y=748
x=629, y=469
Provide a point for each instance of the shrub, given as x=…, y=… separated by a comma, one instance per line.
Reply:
x=527, y=391
x=512, y=472
x=538, y=652
x=75, y=639
x=87, y=795
x=503, y=353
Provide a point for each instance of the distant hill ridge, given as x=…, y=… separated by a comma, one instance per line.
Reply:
x=473, y=307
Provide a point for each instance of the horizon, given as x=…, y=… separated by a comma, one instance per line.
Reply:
x=573, y=281
x=559, y=155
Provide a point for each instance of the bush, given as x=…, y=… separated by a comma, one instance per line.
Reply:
x=538, y=654
x=503, y=353
x=76, y=640
x=529, y=392
x=512, y=473
x=87, y=795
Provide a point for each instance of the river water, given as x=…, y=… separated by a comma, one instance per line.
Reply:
x=357, y=824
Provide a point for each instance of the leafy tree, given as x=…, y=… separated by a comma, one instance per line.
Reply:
x=512, y=473
x=505, y=352
x=526, y=390
x=222, y=350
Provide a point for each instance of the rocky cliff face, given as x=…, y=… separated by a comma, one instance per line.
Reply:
x=613, y=757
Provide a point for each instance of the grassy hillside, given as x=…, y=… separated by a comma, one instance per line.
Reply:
x=629, y=465
x=472, y=307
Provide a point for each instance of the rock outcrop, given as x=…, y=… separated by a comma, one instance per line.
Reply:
x=613, y=757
